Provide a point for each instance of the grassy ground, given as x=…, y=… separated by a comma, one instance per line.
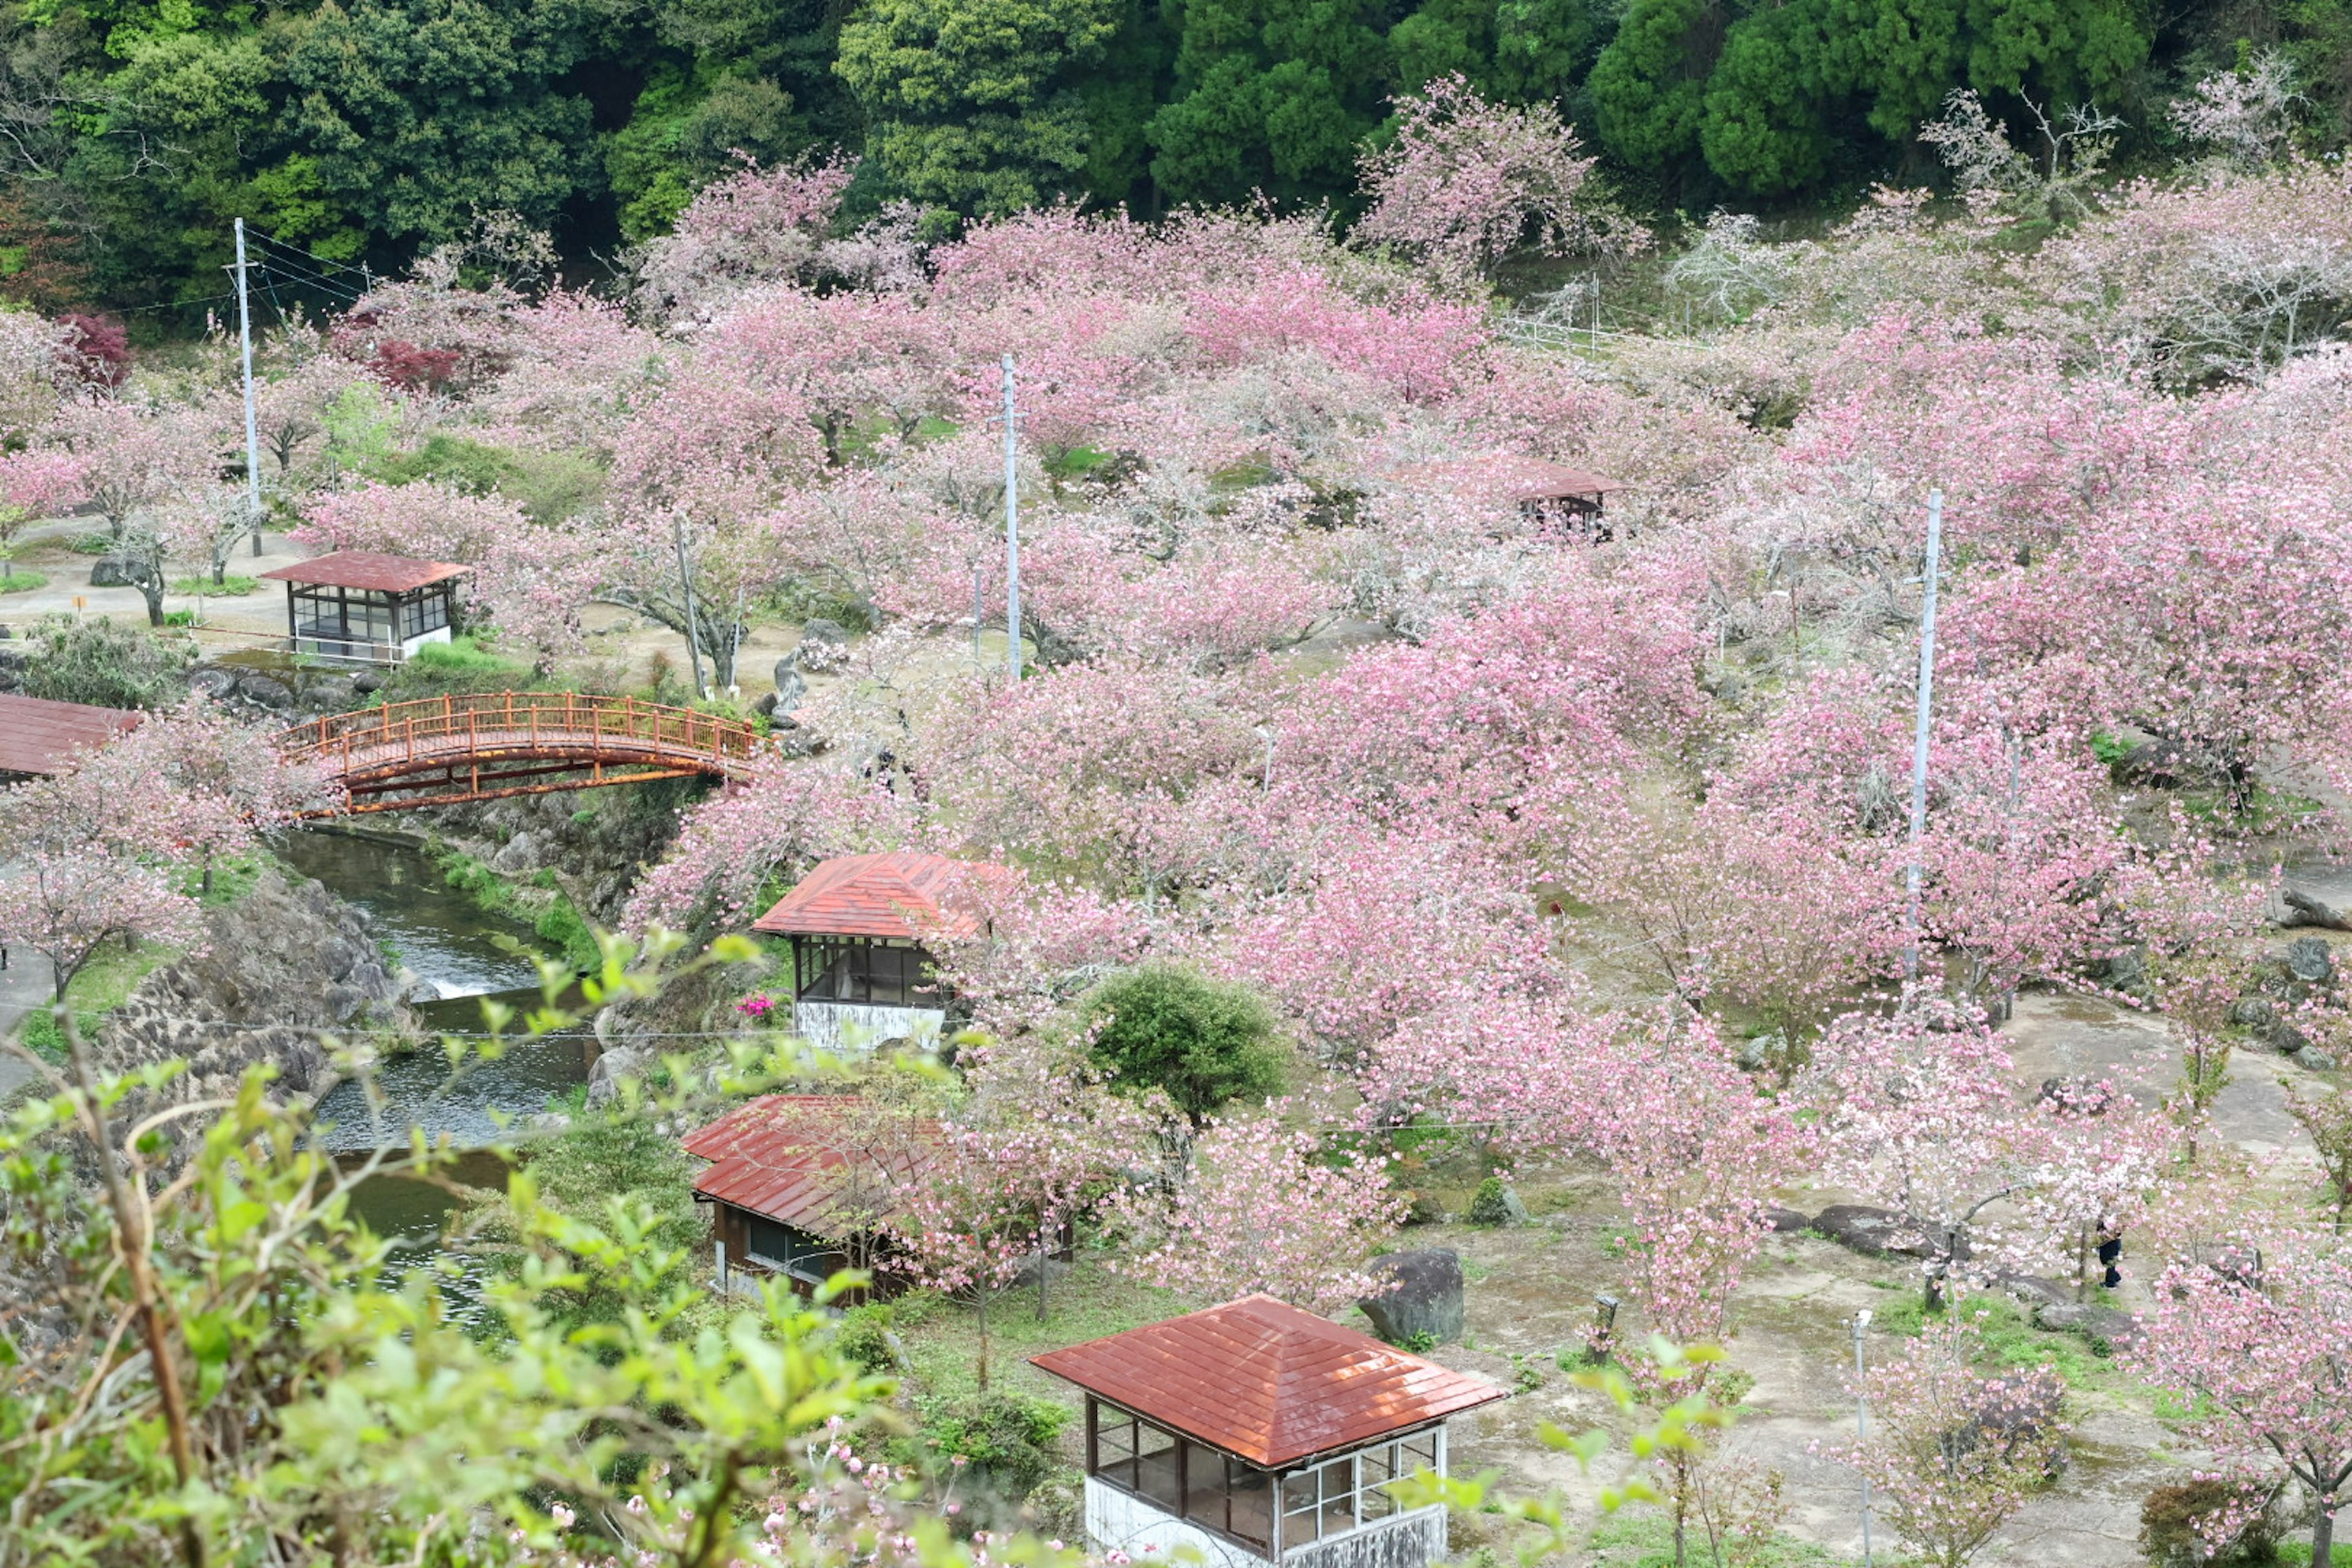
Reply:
x=13, y=582
x=228, y=588
x=942, y=1337
x=104, y=982
x=107, y=981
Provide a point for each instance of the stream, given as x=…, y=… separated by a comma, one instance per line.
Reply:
x=463, y=955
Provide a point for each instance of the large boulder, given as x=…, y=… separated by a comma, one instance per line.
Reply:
x=1874, y=1232
x=2310, y=960
x=214, y=682
x=2106, y=1328
x=520, y=853
x=1423, y=1305
x=615, y=1063
x=1494, y=1204
x=2302, y=910
x=116, y=572
x=264, y=691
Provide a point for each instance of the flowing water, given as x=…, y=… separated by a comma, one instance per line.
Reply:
x=460, y=956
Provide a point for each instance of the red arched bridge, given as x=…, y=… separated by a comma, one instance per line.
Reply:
x=441, y=750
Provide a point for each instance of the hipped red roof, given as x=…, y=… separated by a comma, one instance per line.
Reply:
x=902, y=894
x=781, y=1157
x=368, y=570
x=38, y=736
x=1262, y=1379
x=1506, y=476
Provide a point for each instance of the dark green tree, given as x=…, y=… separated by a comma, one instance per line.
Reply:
x=684, y=134
x=1545, y=49
x=1271, y=95
x=1763, y=130
x=1161, y=1027
x=1648, y=88
x=976, y=105
x=418, y=114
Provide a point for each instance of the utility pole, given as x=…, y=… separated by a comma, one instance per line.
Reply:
x=1012, y=530
x=693, y=625
x=1862, y=1427
x=1911, y=874
x=252, y=440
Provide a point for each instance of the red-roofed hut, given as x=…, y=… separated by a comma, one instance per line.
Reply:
x=1255, y=1432
x=857, y=924
x=358, y=606
x=1541, y=490
x=41, y=737
x=800, y=1185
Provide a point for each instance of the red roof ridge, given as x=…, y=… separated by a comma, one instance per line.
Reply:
x=1267, y=1381
x=891, y=894
x=373, y=570
x=772, y=1156
x=39, y=735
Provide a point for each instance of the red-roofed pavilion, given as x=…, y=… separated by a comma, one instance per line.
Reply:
x=858, y=924
x=1256, y=1433
x=799, y=1184
x=38, y=736
x=359, y=606
x=1541, y=490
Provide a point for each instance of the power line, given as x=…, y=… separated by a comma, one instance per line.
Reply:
x=177, y=304
x=366, y=277
x=300, y=278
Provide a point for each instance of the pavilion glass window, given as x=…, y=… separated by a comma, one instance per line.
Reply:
x=792, y=1250
x=1346, y=1493
x=879, y=973
x=1192, y=1481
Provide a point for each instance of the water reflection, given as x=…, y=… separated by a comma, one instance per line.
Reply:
x=419, y=1090
x=414, y=1216
x=455, y=947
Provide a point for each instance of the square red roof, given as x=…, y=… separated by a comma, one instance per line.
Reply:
x=38, y=736
x=1261, y=1379
x=779, y=1157
x=368, y=570
x=904, y=894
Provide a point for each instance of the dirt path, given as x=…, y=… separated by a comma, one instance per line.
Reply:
x=1531, y=1294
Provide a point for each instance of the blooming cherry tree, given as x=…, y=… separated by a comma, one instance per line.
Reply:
x=1954, y=1451
x=1260, y=1209
x=1462, y=184
x=2258, y=1344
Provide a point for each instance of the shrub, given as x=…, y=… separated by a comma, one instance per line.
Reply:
x=2170, y=1517
x=1206, y=1043
x=1006, y=1440
x=864, y=1336
x=104, y=663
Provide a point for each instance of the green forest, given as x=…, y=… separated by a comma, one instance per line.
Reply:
x=365, y=130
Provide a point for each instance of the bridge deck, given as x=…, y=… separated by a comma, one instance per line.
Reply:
x=446, y=750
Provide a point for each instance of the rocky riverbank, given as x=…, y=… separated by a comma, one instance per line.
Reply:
x=278, y=972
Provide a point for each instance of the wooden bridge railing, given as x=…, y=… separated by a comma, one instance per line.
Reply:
x=434, y=732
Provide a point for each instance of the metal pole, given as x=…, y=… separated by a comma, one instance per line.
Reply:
x=1911, y=874
x=693, y=625
x=1862, y=1427
x=1012, y=530
x=252, y=439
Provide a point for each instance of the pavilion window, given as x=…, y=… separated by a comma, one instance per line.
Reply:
x=1136, y=1454
x=874, y=973
x=1344, y=1494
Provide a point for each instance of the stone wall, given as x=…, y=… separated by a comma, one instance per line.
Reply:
x=277, y=970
